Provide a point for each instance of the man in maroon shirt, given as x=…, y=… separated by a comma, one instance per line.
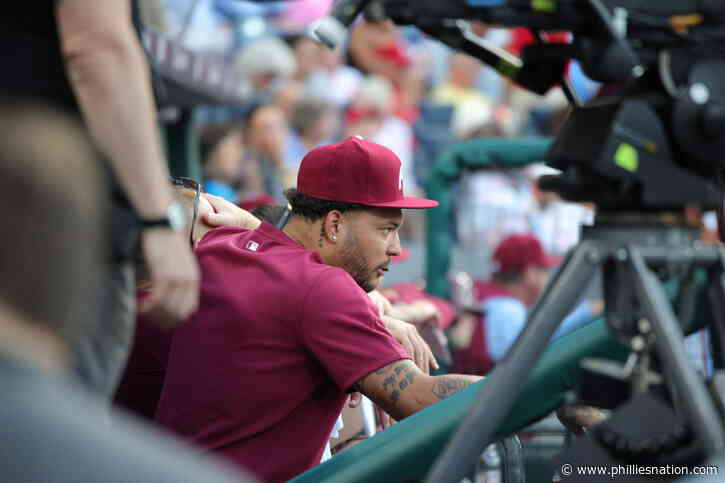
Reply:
x=285, y=331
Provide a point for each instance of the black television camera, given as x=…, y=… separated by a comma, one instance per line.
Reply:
x=663, y=62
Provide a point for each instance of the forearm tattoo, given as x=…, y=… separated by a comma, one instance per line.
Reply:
x=397, y=377
x=444, y=386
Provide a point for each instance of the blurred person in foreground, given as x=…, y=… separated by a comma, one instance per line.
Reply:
x=86, y=57
x=53, y=246
x=268, y=391
x=521, y=273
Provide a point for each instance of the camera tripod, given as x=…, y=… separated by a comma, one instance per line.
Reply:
x=633, y=250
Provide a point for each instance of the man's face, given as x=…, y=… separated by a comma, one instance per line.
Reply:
x=535, y=279
x=371, y=238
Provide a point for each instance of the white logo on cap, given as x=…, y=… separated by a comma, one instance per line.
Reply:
x=357, y=136
x=252, y=246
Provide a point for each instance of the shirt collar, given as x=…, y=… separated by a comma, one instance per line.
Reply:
x=271, y=231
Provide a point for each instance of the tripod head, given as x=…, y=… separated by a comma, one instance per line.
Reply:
x=655, y=143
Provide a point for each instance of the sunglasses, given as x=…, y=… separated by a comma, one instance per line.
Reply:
x=198, y=189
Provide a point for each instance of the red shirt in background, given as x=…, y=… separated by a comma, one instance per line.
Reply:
x=409, y=292
x=475, y=359
x=261, y=372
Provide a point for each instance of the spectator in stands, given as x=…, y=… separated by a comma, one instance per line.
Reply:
x=472, y=119
x=334, y=80
x=556, y=223
x=268, y=62
x=265, y=130
x=313, y=122
x=222, y=151
x=377, y=48
x=522, y=270
x=266, y=393
x=308, y=56
x=460, y=87
x=491, y=203
x=53, y=251
x=86, y=57
x=288, y=96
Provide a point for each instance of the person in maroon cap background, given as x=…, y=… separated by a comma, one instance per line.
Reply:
x=522, y=270
x=285, y=330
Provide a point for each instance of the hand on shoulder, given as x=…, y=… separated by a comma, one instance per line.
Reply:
x=228, y=214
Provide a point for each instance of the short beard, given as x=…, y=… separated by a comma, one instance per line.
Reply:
x=355, y=263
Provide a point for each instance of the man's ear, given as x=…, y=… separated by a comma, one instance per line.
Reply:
x=333, y=226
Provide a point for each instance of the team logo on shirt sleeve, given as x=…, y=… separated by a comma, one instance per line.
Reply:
x=252, y=246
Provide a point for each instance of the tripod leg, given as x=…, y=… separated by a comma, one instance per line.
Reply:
x=696, y=401
x=498, y=395
x=716, y=299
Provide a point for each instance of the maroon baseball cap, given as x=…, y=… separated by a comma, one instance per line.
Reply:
x=517, y=252
x=356, y=171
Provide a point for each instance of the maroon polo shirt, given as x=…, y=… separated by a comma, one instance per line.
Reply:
x=140, y=386
x=261, y=372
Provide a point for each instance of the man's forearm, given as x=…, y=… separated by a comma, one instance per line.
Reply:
x=401, y=389
x=444, y=386
x=110, y=78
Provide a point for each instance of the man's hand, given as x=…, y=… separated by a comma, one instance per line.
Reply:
x=354, y=400
x=578, y=418
x=384, y=419
x=174, y=276
x=381, y=302
x=461, y=332
x=228, y=214
x=418, y=312
x=412, y=342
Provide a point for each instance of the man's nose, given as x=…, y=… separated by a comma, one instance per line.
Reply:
x=394, y=247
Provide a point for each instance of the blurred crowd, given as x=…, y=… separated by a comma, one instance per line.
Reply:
x=391, y=85
x=134, y=285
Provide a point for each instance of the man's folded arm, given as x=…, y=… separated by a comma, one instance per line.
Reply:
x=401, y=388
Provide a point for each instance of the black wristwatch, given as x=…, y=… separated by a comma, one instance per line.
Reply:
x=175, y=219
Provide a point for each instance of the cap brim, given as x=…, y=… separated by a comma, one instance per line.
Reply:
x=407, y=202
